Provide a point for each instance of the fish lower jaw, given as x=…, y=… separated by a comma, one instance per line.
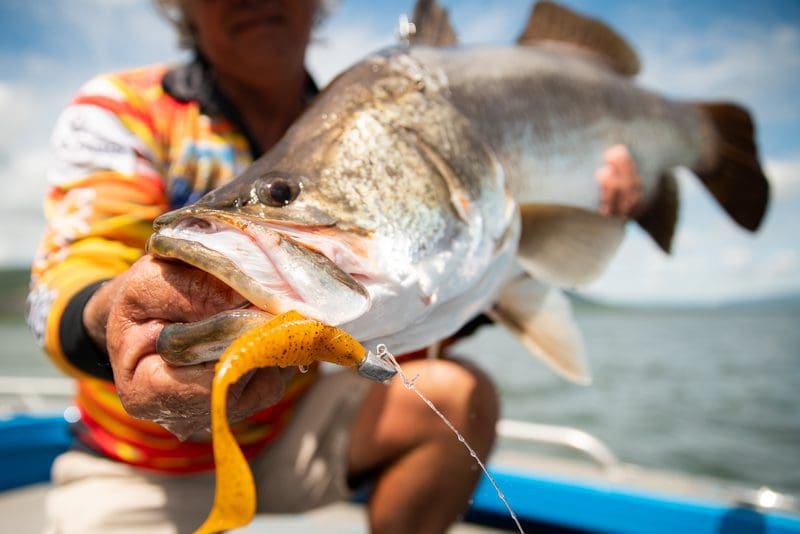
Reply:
x=258, y=269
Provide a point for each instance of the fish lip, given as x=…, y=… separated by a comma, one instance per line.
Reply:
x=233, y=217
x=166, y=243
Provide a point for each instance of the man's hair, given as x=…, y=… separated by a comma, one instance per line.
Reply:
x=173, y=11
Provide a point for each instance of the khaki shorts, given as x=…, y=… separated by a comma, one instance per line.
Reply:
x=305, y=467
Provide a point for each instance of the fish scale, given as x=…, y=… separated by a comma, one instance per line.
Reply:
x=557, y=108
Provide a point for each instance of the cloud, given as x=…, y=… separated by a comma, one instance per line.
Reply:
x=25, y=131
x=736, y=258
x=493, y=23
x=783, y=265
x=784, y=177
x=17, y=109
x=341, y=43
x=22, y=176
x=38, y=82
x=747, y=61
x=713, y=259
x=24, y=156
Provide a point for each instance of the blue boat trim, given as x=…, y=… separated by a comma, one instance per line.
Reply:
x=583, y=506
x=28, y=447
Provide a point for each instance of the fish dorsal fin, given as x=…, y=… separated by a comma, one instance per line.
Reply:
x=660, y=216
x=540, y=317
x=566, y=246
x=431, y=25
x=552, y=22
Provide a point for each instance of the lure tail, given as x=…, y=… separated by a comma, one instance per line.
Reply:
x=286, y=340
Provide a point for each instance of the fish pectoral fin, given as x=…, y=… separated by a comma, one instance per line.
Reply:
x=566, y=246
x=431, y=25
x=540, y=317
x=552, y=22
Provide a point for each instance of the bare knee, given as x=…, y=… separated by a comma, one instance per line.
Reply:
x=393, y=421
x=417, y=455
x=463, y=393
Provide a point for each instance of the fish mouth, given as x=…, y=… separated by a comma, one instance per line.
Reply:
x=276, y=266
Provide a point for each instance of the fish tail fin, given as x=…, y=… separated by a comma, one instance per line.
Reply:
x=735, y=177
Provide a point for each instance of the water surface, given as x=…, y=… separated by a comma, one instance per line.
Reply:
x=707, y=391
x=713, y=392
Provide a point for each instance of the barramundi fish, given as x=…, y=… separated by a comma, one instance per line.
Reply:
x=431, y=182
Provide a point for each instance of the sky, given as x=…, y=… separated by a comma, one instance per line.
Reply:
x=744, y=51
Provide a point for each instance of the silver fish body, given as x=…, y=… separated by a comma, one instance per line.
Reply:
x=549, y=112
x=396, y=205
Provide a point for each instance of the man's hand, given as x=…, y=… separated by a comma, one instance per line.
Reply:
x=620, y=183
x=127, y=315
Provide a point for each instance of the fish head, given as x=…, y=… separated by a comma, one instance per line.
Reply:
x=280, y=250
x=358, y=217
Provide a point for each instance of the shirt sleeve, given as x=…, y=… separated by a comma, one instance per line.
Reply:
x=105, y=187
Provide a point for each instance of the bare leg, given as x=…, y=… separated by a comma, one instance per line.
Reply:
x=426, y=475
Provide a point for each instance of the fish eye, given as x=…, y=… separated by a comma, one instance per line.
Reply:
x=278, y=190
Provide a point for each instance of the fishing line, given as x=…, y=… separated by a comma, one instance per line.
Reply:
x=383, y=353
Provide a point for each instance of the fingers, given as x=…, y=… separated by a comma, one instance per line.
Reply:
x=178, y=398
x=264, y=388
x=156, y=391
x=608, y=193
x=620, y=183
x=173, y=291
x=149, y=295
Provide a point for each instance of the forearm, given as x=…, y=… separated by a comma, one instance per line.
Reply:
x=59, y=292
x=82, y=333
x=94, y=315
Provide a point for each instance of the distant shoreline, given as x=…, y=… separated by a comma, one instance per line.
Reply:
x=14, y=288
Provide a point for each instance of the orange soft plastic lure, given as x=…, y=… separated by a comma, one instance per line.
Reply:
x=286, y=340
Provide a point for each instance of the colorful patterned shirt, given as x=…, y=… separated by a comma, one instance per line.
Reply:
x=130, y=146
